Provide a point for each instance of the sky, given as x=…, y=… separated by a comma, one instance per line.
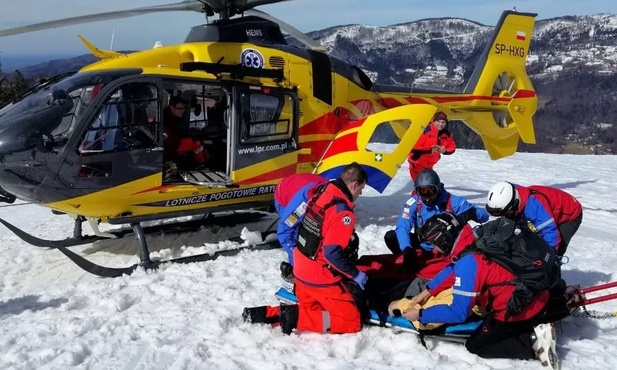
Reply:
x=55, y=316
x=141, y=32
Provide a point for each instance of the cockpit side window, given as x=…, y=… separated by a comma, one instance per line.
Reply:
x=128, y=119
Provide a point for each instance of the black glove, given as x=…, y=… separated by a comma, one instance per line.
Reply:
x=468, y=215
x=353, y=247
x=410, y=259
x=287, y=272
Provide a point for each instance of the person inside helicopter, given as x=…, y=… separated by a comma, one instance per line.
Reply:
x=180, y=150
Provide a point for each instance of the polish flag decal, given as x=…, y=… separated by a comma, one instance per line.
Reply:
x=521, y=35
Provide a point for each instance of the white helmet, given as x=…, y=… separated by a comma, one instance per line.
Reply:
x=502, y=198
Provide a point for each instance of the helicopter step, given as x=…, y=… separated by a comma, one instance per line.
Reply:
x=205, y=177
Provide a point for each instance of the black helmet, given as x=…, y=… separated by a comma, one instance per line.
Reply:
x=441, y=230
x=427, y=177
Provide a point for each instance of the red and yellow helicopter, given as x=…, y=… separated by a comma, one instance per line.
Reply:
x=91, y=144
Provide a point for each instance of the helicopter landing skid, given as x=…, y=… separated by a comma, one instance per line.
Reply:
x=47, y=243
x=112, y=272
x=146, y=262
x=79, y=239
x=174, y=227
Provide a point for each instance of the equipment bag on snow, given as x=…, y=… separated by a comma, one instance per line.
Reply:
x=524, y=253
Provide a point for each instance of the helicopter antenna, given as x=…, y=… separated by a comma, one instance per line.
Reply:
x=113, y=32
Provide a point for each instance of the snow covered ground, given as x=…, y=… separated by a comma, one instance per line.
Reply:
x=55, y=316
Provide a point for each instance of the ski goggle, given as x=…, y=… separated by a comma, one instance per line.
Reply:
x=426, y=191
x=507, y=210
x=441, y=240
x=440, y=236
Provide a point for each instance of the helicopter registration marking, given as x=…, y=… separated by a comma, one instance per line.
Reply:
x=224, y=195
x=513, y=51
x=252, y=58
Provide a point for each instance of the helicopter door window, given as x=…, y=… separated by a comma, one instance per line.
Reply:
x=390, y=133
x=127, y=120
x=266, y=117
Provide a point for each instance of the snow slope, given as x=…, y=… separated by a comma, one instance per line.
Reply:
x=55, y=316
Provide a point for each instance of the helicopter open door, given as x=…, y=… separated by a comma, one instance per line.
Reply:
x=208, y=121
x=379, y=142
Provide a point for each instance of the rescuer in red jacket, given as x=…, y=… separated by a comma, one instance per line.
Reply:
x=476, y=280
x=435, y=141
x=322, y=267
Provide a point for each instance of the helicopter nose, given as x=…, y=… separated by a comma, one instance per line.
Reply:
x=21, y=171
x=18, y=147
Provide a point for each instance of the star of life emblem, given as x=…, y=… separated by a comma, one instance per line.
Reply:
x=252, y=58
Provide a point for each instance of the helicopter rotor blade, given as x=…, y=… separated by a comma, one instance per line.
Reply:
x=237, y=6
x=243, y=5
x=289, y=29
x=187, y=5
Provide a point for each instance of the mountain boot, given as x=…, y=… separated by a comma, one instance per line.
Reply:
x=287, y=272
x=261, y=315
x=289, y=318
x=288, y=277
x=543, y=343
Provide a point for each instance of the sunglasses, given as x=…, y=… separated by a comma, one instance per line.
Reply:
x=426, y=191
x=179, y=108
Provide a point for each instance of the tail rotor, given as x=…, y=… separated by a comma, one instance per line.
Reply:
x=504, y=87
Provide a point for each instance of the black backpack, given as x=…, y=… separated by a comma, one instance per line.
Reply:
x=524, y=253
x=310, y=233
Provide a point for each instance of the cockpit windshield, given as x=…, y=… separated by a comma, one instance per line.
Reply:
x=55, y=105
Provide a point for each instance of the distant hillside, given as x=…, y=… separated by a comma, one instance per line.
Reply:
x=11, y=62
x=56, y=66
x=51, y=67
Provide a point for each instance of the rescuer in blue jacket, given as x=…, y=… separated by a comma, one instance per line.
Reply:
x=429, y=198
x=290, y=198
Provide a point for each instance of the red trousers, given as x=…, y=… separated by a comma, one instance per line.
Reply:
x=327, y=309
x=188, y=145
x=426, y=161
